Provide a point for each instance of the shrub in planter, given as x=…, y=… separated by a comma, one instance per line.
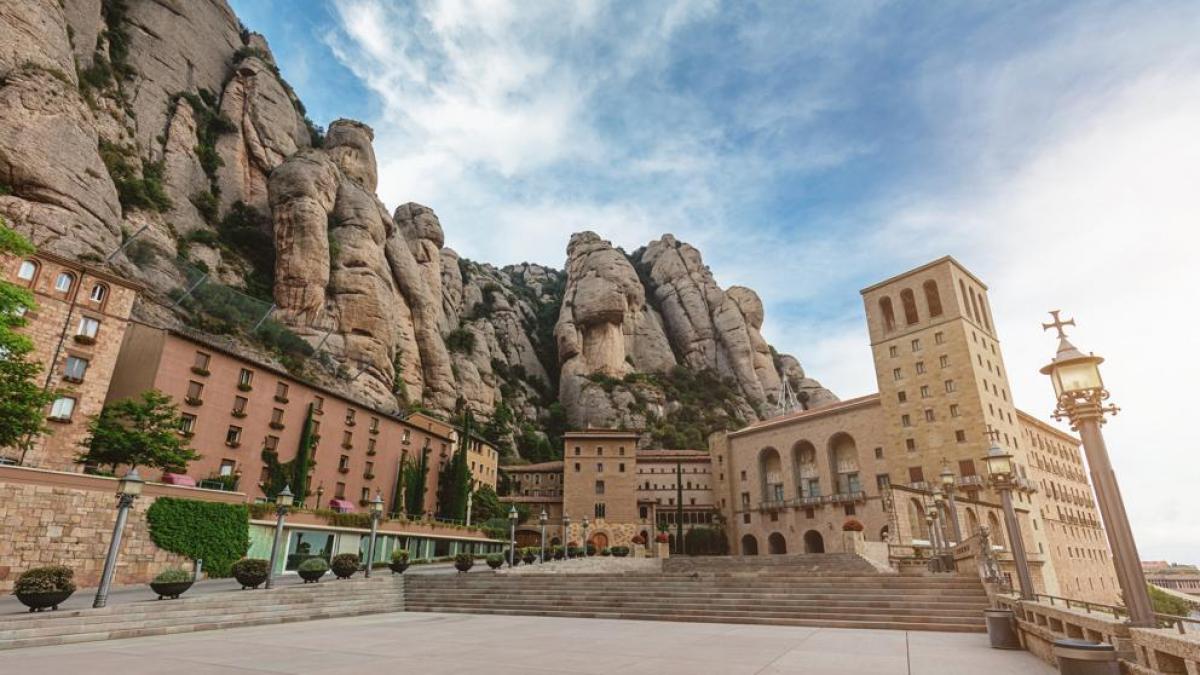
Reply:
x=312, y=569
x=606, y=551
x=557, y=552
x=620, y=551
x=576, y=552
x=43, y=587
x=529, y=555
x=399, y=561
x=345, y=565
x=464, y=562
x=852, y=525
x=171, y=583
x=250, y=572
x=495, y=561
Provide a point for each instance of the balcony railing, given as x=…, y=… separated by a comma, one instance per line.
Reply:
x=848, y=497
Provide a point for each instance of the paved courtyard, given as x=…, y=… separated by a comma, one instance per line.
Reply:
x=457, y=643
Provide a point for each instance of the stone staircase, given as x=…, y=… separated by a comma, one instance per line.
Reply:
x=230, y=609
x=810, y=564
x=701, y=590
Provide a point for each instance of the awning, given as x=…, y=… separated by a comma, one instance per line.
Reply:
x=178, y=479
x=342, y=505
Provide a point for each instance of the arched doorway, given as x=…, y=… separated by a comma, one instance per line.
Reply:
x=646, y=539
x=916, y=520
x=527, y=538
x=972, y=522
x=749, y=545
x=804, y=465
x=770, y=468
x=600, y=541
x=843, y=464
x=555, y=541
x=814, y=542
x=776, y=544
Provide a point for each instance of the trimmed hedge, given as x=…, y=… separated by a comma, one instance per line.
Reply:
x=219, y=534
x=49, y=579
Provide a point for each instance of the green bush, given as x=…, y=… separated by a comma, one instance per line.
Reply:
x=133, y=191
x=250, y=572
x=606, y=551
x=173, y=575
x=400, y=555
x=1167, y=604
x=314, y=565
x=464, y=561
x=620, y=551
x=495, y=560
x=461, y=340
x=345, y=565
x=219, y=534
x=49, y=579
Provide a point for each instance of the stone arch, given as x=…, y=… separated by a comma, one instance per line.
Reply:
x=843, y=463
x=814, y=542
x=888, y=312
x=933, y=299
x=776, y=544
x=770, y=468
x=804, y=466
x=600, y=541
x=916, y=519
x=972, y=521
x=749, y=545
x=909, y=302
x=997, y=531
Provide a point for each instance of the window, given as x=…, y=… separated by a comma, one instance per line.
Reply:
x=897, y=374
x=404, y=437
x=929, y=414
x=374, y=425
x=889, y=315
x=878, y=453
x=621, y=451
x=350, y=417
x=347, y=439
x=743, y=475
x=916, y=344
x=960, y=436
x=910, y=445
x=227, y=466
x=883, y=481
x=88, y=327
x=319, y=407
x=281, y=392
x=233, y=436
x=599, y=467
x=27, y=270
x=916, y=475
x=621, y=467
x=63, y=282
x=933, y=300
x=201, y=361
x=909, y=301
x=195, y=392
x=943, y=360
x=369, y=471
x=62, y=409
x=371, y=447
x=75, y=369
x=576, y=467
x=577, y=451
x=950, y=388
x=277, y=416
x=599, y=487
x=920, y=367
x=939, y=338
x=339, y=490
x=966, y=467
x=599, y=510
x=924, y=391
x=599, y=451
x=344, y=463
x=239, y=405
x=364, y=495
x=187, y=423
x=901, y=396
x=271, y=443
x=99, y=293
x=905, y=421
x=893, y=351
x=245, y=378
x=954, y=411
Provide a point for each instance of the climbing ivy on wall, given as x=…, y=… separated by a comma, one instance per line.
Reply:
x=218, y=534
x=293, y=474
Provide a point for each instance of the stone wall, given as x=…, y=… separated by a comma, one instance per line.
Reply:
x=53, y=517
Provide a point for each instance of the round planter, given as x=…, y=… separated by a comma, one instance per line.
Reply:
x=169, y=589
x=463, y=566
x=397, y=567
x=250, y=580
x=495, y=564
x=529, y=559
x=311, y=576
x=37, y=602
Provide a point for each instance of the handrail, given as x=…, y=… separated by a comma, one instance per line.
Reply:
x=1169, y=620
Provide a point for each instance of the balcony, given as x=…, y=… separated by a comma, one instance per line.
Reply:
x=848, y=497
x=810, y=501
x=970, y=482
x=773, y=505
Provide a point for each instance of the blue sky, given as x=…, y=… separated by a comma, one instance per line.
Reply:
x=810, y=149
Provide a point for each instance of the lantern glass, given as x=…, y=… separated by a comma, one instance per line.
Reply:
x=1077, y=376
x=543, y=518
x=284, y=497
x=999, y=464
x=130, y=484
x=512, y=513
x=377, y=504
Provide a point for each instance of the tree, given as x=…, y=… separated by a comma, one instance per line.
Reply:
x=485, y=505
x=141, y=431
x=454, y=484
x=22, y=402
x=414, y=473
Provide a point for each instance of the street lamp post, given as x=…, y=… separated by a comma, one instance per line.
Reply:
x=470, y=500
x=542, y=521
x=282, y=501
x=566, y=538
x=1080, y=394
x=512, y=534
x=128, y=489
x=1002, y=477
x=585, y=539
x=949, y=486
x=376, y=513
x=320, y=493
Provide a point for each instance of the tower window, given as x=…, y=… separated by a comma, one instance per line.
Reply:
x=889, y=314
x=909, y=301
x=933, y=300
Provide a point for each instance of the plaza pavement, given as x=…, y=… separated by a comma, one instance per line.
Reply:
x=432, y=643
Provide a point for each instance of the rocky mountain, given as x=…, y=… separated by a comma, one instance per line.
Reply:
x=158, y=138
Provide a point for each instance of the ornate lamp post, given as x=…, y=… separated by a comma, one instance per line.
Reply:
x=585, y=540
x=950, y=486
x=1080, y=395
x=376, y=513
x=566, y=539
x=320, y=493
x=1002, y=478
x=542, y=521
x=128, y=489
x=283, y=500
x=512, y=534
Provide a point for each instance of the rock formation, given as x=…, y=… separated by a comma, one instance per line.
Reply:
x=158, y=137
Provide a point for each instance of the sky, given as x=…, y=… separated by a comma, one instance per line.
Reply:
x=811, y=149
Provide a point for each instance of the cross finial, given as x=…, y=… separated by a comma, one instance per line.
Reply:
x=1058, y=324
x=993, y=435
